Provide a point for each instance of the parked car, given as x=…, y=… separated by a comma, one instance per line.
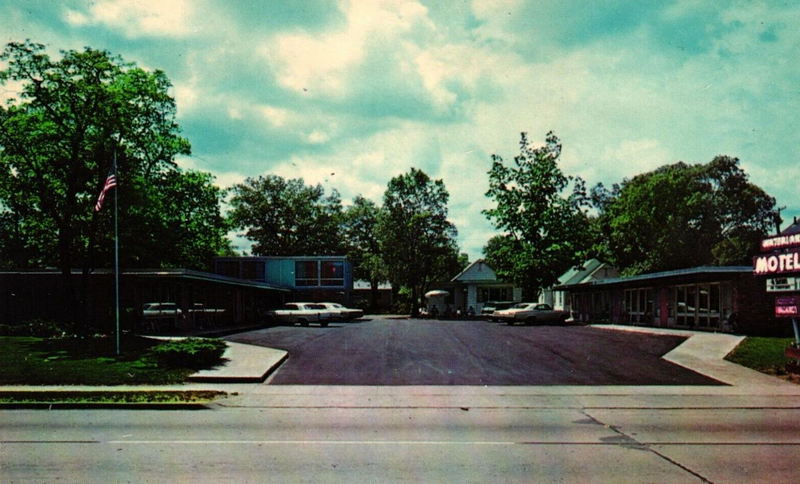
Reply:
x=342, y=313
x=530, y=313
x=201, y=308
x=490, y=307
x=161, y=310
x=302, y=313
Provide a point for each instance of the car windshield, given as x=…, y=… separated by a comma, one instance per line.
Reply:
x=521, y=305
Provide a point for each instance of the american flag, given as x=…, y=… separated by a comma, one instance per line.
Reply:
x=111, y=182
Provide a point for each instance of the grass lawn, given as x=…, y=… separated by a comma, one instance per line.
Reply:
x=91, y=361
x=762, y=354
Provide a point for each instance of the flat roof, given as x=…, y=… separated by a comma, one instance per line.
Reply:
x=692, y=272
x=162, y=273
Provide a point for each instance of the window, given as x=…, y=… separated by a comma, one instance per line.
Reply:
x=306, y=273
x=639, y=305
x=495, y=294
x=253, y=270
x=332, y=273
x=698, y=305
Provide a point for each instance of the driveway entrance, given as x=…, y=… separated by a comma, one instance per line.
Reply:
x=424, y=352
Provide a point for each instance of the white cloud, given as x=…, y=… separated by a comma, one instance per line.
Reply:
x=319, y=63
x=275, y=116
x=318, y=137
x=136, y=18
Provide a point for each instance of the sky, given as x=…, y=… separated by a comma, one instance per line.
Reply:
x=348, y=94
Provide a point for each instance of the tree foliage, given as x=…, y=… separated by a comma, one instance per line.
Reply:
x=684, y=215
x=58, y=136
x=543, y=230
x=360, y=235
x=416, y=239
x=287, y=217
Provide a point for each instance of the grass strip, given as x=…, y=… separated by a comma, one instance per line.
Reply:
x=763, y=354
x=111, y=397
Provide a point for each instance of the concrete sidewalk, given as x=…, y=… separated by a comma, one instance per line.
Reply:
x=244, y=364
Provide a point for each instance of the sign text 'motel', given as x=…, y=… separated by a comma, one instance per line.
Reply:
x=777, y=263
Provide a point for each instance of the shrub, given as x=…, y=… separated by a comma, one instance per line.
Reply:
x=190, y=353
x=40, y=328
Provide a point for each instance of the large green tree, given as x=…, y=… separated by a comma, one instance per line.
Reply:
x=544, y=229
x=416, y=238
x=287, y=217
x=683, y=215
x=173, y=220
x=65, y=121
x=359, y=224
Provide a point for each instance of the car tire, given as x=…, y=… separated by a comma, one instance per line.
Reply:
x=303, y=322
x=563, y=319
x=324, y=325
x=530, y=321
x=510, y=322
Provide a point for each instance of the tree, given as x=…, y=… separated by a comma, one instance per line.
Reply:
x=416, y=239
x=58, y=136
x=286, y=217
x=175, y=221
x=684, y=215
x=359, y=224
x=543, y=231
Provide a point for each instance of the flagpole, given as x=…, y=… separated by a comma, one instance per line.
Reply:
x=116, y=257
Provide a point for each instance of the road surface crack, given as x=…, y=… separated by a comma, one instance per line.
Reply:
x=625, y=440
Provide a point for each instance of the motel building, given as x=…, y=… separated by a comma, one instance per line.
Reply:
x=757, y=300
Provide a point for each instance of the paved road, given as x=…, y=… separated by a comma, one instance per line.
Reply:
x=424, y=352
x=429, y=434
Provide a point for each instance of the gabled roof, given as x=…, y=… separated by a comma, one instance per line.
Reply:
x=478, y=271
x=577, y=275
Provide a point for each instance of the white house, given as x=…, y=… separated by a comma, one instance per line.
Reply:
x=478, y=284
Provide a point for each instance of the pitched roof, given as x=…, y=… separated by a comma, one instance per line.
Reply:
x=477, y=271
x=579, y=274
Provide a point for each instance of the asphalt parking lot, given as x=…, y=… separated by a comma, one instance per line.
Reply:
x=425, y=352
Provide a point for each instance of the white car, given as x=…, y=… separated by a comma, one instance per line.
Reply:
x=302, y=313
x=159, y=310
x=342, y=313
x=530, y=313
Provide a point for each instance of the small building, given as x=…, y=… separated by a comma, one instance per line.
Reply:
x=476, y=285
x=309, y=278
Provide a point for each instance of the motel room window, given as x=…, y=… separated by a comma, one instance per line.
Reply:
x=306, y=273
x=639, y=305
x=698, y=305
x=332, y=273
